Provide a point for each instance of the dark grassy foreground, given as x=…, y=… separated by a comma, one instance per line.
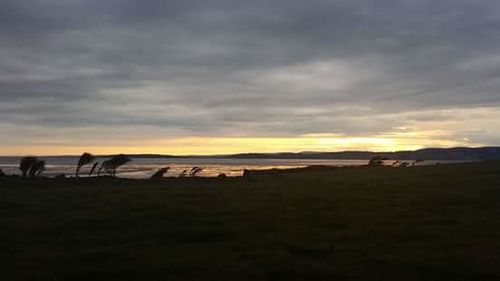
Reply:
x=424, y=223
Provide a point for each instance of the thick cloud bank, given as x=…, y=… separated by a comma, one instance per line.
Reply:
x=89, y=71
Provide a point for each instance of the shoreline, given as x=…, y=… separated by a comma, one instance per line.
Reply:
x=247, y=173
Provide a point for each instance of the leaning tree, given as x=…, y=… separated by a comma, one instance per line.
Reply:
x=85, y=159
x=160, y=173
x=110, y=166
x=37, y=168
x=26, y=164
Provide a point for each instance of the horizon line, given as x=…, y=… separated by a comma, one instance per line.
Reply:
x=262, y=153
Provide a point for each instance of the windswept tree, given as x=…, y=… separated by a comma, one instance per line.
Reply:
x=101, y=167
x=417, y=161
x=107, y=167
x=195, y=171
x=36, y=169
x=93, y=168
x=85, y=159
x=41, y=168
x=110, y=166
x=118, y=161
x=183, y=174
x=26, y=164
x=160, y=173
x=377, y=161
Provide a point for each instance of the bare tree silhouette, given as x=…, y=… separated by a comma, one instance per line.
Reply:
x=160, y=173
x=26, y=164
x=85, y=159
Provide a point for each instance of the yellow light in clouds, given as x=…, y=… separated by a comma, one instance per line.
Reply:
x=207, y=145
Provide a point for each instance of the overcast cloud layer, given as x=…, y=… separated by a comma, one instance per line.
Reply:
x=94, y=70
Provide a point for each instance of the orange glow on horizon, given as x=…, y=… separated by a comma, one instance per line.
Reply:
x=211, y=146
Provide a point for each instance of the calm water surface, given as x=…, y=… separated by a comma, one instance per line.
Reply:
x=145, y=167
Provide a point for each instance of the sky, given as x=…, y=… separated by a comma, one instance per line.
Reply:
x=228, y=76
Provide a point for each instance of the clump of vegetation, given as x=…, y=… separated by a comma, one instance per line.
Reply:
x=417, y=161
x=377, y=161
x=60, y=176
x=160, y=173
x=85, y=159
x=195, y=171
x=183, y=174
x=25, y=165
x=37, y=168
x=110, y=166
x=31, y=166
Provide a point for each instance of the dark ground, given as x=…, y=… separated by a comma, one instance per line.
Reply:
x=422, y=223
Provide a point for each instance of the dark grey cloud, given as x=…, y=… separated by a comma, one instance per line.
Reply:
x=253, y=68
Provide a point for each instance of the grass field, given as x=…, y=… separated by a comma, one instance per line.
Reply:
x=423, y=223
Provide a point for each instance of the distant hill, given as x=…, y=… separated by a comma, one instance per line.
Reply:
x=459, y=153
x=450, y=154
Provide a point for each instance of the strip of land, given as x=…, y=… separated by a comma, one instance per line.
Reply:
x=355, y=223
